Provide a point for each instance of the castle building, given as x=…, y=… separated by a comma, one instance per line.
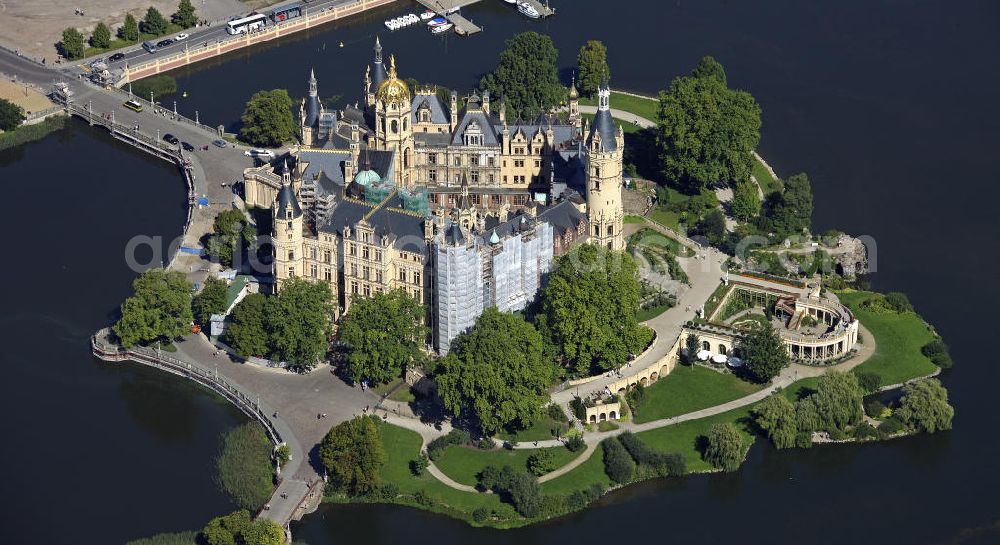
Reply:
x=441, y=196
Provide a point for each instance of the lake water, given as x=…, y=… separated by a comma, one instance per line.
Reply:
x=889, y=106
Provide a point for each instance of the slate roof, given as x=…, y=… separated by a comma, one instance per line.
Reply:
x=330, y=164
x=489, y=136
x=286, y=199
x=439, y=113
x=605, y=125
x=312, y=111
x=563, y=217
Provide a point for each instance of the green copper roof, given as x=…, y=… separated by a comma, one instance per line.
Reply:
x=367, y=177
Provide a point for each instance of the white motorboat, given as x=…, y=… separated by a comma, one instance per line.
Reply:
x=510, y=1
x=526, y=9
x=440, y=29
x=437, y=21
x=427, y=15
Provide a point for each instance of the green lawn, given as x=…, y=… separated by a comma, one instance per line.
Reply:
x=652, y=312
x=768, y=183
x=401, y=446
x=899, y=338
x=582, y=476
x=539, y=431
x=642, y=107
x=630, y=219
x=463, y=463
x=684, y=437
x=688, y=389
x=666, y=218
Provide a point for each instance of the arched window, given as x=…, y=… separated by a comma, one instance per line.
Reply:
x=395, y=126
x=705, y=345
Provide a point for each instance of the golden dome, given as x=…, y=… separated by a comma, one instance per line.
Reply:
x=393, y=90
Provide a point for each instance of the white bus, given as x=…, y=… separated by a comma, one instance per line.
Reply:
x=246, y=24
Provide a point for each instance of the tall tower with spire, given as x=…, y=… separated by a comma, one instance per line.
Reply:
x=603, y=154
x=309, y=112
x=574, y=105
x=288, y=231
x=392, y=122
x=375, y=74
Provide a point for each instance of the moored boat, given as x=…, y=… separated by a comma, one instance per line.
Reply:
x=437, y=21
x=527, y=10
x=439, y=29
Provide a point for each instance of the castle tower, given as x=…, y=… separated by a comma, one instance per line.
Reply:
x=309, y=112
x=603, y=159
x=375, y=74
x=287, y=235
x=574, y=105
x=392, y=122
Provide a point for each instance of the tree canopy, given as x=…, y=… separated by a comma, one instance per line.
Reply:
x=588, y=310
x=746, y=202
x=185, y=16
x=837, y=401
x=247, y=332
x=11, y=115
x=231, y=234
x=776, y=416
x=101, y=37
x=267, y=119
x=240, y=529
x=300, y=322
x=383, y=335
x=706, y=132
x=526, y=78
x=592, y=64
x=72, y=44
x=789, y=212
x=211, y=300
x=496, y=371
x=244, y=466
x=130, y=29
x=763, y=354
x=154, y=23
x=925, y=406
x=724, y=448
x=353, y=455
x=159, y=309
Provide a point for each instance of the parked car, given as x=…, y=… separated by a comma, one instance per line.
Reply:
x=150, y=47
x=171, y=138
x=259, y=153
x=187, y=147
x=181, y=36
x=164, y=43
x=220, y=143
x=116, y=57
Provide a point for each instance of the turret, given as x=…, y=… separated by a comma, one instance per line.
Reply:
x=603, y=159
x=287, y=235
x=453, y=124
x=310, y=111
x=486, y=101
x=574, y=105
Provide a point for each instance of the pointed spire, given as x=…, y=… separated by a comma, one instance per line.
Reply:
x=313, y=89
x=378, y=50
x=573, y=93
x=392, y=66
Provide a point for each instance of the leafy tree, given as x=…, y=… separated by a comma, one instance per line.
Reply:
x=592, y=63
x=154, y=23
x=838, y=400
x=227, y=529
x=129, y=30
x=706, y=132
x=159, y=309
x=526, y=78
x=938, y=353
x=72, y=44
x=541, y=462
x=211, y=300
x=725, y=448
x=618, y=464
x=184, y=17
x=244, y=466
x=496, y=371
x=790, y=211
x=764, y=354
x=267, y=119
x=101, y=37
x=353, y=455
x=300, y=322
x=489, y=478
x=925, y=406
x=521, y=490
x=746, y=202
x=776, y=416
x=247, y=333
x=588, y=310
x=263, y=532
x=869, y=382
x=383, y=335
x=231, y=233
x=419, y=464
x=691, y=346
x=713, y=227
x=11, y=115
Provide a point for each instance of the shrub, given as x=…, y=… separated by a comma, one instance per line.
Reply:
x=488, y=478
x=869, y=382
x=874, y=407
x=640, y=452
x=282, y=454
x=899, y=301
x=541, y=462
x=576, y=443
x=485, y=444
x=579, y=408
x=865, y=431
x=675, y=464
x=383, y=493
x=937, y=351
x=877, y=304
x=556, y=413
x=480, y=514
x=891, y=425
x=422, y=498
x=419, y=464
x=803, y=439
x=521, y=490
x=618, y=465
x=725, y=447
x=454, y=437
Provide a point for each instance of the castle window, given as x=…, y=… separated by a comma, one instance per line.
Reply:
x=326, y=256
x=490, y=161
x=404, y=124
x=432, y=175
x=378, y=255
x=364, y=272
x=474, y=160
x=291, y=272
x=491, y=178
x=352, y=250
x=520, y=200
x=312, y=271
x=597, y=171
x=538, y=163
x=458, y=160
x=288, y=216
x=291, y=255
x=354, y=269
x=368, y=291
x=312, y=253
x=364, y=253
x=378, y=277
x=327, y=275
x=519, y=163
x=402, y=275
x=425, y=116
x=416, y=277
x=354, y=288
x=475, y=176
x=432, y=159
x=611, y=230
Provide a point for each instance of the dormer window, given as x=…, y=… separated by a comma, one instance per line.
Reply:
x=288, y=214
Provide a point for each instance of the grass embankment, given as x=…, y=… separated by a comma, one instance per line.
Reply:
x=652, y=312
x=31, y=133
x=768, y=184
x=118, y=43
x=177, y=538
x=688, y=389
x=642, y=107
x=898, y=339
x=463, y=463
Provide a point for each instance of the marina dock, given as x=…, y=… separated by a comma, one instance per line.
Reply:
x=465, y=27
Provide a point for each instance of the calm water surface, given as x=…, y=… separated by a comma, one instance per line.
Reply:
x=889, y=105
